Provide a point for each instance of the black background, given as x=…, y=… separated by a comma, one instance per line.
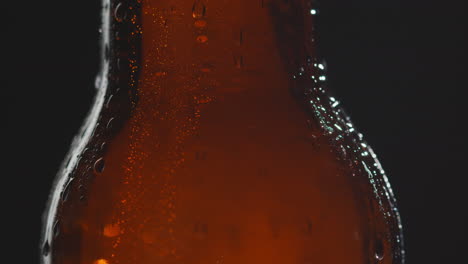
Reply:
x=399, y=68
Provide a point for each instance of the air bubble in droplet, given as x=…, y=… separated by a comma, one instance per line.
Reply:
x=99, y=166
x=198, y=9
x=313, y=12
x=46, y=248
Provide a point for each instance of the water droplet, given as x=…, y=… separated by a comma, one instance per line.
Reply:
x=239, y=61
x=160, y=73
x=206, y=67
x=149, y=236
x=198, y=9
x=106, y=52
x=101, y=261
x=110, y=124
x=56, y=228
x=200, y=155
x=200, y=23
x=121, y=12
x=99, y=166
x=46, y=248
x=308, y=227
x=200, y=230
x=121, y=63
x=81, y=190
x=97, y=81
x=103, y=146
x=111, y=230
x=68, y=161
x=202, y=39
x=66, y=189
x=314, y=140
x=379, y=250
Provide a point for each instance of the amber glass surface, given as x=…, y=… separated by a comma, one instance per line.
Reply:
x=213, y=140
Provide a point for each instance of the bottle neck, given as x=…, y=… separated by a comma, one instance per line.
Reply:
x=164, y=55
x=146, y=41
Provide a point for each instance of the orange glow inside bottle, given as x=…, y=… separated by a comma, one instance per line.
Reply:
x=213, y=140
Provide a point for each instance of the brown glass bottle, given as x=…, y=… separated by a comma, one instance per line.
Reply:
x=213, y=140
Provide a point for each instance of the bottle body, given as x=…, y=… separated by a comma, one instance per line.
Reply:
x=213, y=140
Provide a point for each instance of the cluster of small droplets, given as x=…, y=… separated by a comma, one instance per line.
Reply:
x=348, y=145
x=198, y=13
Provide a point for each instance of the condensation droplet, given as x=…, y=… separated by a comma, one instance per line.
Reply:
x=99, y=166
x=121, y=63
x=200, y=155
x=81, y=190
x=66, y=189
x=103, y=146
x=202, y=39
x=206, y=68
x=111, y=230
x=198, y=9
x=56, y=228
x=109, y=101
x=200, y=23
x=200, y=230
x=46, y=248
x=161, y=73
x=379, y=250
x=239, y=61
x=101, y=261
x=97, y=81
x=120, y=12
x=106, y=52
x=110, y=124
x=308, y=227
x=314, y=140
